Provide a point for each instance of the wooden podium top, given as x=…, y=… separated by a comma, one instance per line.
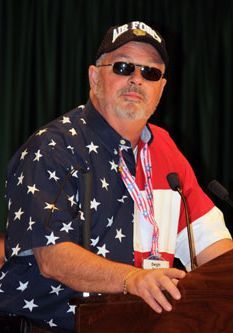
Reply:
x=206, y=306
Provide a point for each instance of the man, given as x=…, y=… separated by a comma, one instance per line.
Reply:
x=129, y=161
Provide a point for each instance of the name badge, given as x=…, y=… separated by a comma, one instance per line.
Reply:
x=154, y=262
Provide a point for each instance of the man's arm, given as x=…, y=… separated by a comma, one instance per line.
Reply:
x=214, y=250
x=82, y=270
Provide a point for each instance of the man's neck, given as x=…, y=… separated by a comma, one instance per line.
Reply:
x=129, y=129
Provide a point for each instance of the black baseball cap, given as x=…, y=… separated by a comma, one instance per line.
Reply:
x=119, y=35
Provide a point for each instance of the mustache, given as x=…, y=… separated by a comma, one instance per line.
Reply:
x=133, y=88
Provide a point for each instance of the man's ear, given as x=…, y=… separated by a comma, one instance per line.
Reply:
x=92, y=72
x=163, y=84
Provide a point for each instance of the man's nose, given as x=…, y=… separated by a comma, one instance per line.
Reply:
x=136, y=76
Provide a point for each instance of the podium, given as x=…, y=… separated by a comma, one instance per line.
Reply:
x=206, y=306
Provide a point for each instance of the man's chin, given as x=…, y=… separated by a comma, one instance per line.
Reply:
x=131, y=114
x=134, y=106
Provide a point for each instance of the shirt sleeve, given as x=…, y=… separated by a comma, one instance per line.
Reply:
x=43, y=204
x=207, y=230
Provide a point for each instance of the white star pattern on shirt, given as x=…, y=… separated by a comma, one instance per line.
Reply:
x=132, y=218
x=51, y=239
x=126, y=148
x=50, y=206
x=95, y=241
x=32, y=189
x=22, y=286
x=9, y=204
x=30, y=305
x=15, y=250
x=73, y=172
x=2, y=275
x=71, y=148
x=52, y=175
x=54, y=200
x=73, y=131
x=56, y=290
x=94, y=204
x=110, y=221
x=92, y=147
x=51, y=323
x=52, y=143
x=30, y=223
x=23, y=154
x=114, y=166
x=81, y=215
x=65, y=120
x=1, y=291
x=119, y=235
x=104, y=183
x=122, y=199
x=37, y=155
x=40, y=132
x=83, y=121
x=18, y=214
x=72, y=201
x=102, y=250
x=66, y=227
x=71, y=308
x=20, y=179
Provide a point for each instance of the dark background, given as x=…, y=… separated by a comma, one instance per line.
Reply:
x=46, y=47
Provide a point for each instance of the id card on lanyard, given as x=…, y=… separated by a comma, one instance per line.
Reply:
x=144, y=205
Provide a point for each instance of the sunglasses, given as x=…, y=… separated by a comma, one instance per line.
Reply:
x=125, y=68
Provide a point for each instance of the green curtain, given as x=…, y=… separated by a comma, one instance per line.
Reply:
x=47, y=45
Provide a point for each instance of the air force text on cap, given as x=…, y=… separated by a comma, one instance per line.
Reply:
x=134, y=25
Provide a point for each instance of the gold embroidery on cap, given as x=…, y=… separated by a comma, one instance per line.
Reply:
x=139, y=32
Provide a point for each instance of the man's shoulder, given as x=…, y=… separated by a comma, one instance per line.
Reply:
x=64, y=123
x=163, y=143
x=159, y=133
x=61, y=130
x=61, y=139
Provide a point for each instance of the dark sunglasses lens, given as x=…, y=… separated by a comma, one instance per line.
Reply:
x=148, y=73
x=122, y=68
x=151, y=73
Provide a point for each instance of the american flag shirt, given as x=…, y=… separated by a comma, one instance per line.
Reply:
x=44, y=208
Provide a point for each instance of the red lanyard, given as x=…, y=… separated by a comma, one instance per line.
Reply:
x=143, y=203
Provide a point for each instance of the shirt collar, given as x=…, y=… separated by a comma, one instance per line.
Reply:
x=146, y=135
x=109, y=137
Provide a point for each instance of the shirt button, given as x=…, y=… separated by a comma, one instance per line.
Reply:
x=122, y=142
